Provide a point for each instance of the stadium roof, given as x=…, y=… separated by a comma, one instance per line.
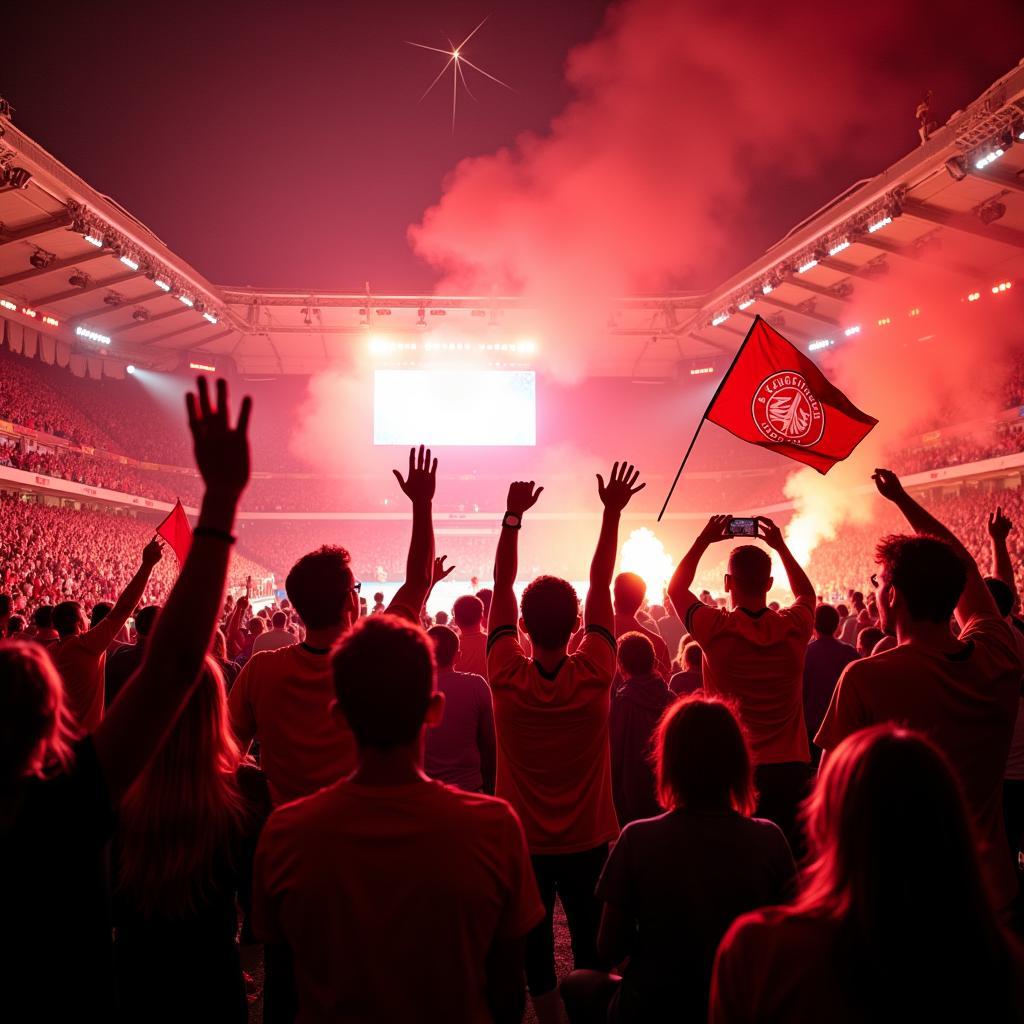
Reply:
x=72, y=259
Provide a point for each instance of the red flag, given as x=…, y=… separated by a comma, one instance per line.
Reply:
x=176, y=531
x=775, y=397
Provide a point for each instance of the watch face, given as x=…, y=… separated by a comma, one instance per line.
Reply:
x=511, y=519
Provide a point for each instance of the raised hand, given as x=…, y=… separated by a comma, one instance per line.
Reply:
x=440, y=572
x=616, y=493
x=522, y=496
x=222, y=452
x=888, y=484
x=716, y=530
x=770, y=533
x=152, y=552
x=999, y=525
x=419, y=485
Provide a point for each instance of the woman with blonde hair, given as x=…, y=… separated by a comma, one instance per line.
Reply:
x=893, y=921
x=185, y=836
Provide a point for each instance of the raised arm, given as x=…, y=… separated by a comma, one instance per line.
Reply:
x=999, y=527
x=976, y=599
x=799, y=583
x=439, y=572
x=103, y=634
x=233, y=631
x=419, y=488
x=151, y=700
x=597, y=609
x=683, y=598
x=504, y=610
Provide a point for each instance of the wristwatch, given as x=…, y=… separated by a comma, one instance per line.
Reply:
x=513, y=521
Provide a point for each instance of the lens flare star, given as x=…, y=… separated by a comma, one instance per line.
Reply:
x=456, y=58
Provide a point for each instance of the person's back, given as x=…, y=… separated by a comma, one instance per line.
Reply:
x=398, y=896
x=628, y=591
x=691, y=678
x=124, y=661
x=823, y=664
x=866, y=940
x=671, y=629
x=637, y=707
x=468, y=613
x=283, y=697
x=460, y=749
x=961, y=692
x=276, y=637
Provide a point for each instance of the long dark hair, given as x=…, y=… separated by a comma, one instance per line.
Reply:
x=895, y=866
x=178, y=819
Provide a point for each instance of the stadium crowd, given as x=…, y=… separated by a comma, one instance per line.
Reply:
x=391, y=814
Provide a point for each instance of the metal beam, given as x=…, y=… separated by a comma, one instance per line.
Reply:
x=997, y=176
x=172, y=334
x=38, y=227
x=70, y=293
x=106, y=309
x=216, y=337
x=918, y=255
x=54, y=267
x=154, y=319
x=719, y=345
x=965, y=222
x=851, y=269
x=797, y=280
x=810, y=314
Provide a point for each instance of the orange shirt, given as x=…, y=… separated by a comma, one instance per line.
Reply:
x=553, y=760
x=757, y=660
x=81, y=660
x=390, y=898
x=472, y=656
x=966, y=704
x=283, y=698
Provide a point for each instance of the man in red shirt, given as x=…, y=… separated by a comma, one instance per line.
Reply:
x=468, y=612
x=401, y=898
x=282, y=698
x=962, y=691
x=551, y=718
x=755, y=657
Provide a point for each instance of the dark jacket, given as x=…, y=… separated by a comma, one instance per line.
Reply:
x=636, y=708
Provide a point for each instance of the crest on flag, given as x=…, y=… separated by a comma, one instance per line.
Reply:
x=786, y=410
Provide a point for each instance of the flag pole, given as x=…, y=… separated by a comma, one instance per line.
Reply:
x=714, y=398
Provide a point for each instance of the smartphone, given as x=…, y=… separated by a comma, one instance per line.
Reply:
x=743, y=527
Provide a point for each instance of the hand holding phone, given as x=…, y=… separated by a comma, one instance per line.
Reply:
x=741, y=527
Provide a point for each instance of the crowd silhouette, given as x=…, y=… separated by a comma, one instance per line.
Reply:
x=746, y=811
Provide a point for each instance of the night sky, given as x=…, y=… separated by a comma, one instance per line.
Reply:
x=284, y=145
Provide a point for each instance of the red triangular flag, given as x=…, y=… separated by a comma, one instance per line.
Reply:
x=777, y=398
x=176, y=531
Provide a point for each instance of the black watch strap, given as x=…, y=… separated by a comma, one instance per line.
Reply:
x=512, y=521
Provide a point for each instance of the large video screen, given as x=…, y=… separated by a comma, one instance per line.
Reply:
x=495, y=408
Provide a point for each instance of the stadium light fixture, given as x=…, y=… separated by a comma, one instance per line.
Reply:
x=204, y=367
x=745, y=304
x=7, y=304
x=210, y=317
x=1003, y=286
x=974, y=296
x=851, y=331
x=29, y=312
x=130, y=369
x=161, y=284
x=186, y=301
x=916, y=311
x=816, y=346
x=51, y=320
x=809, y=265
x=701, y=371
x=767, y=288
x=720, y=319
x=93, y=240
x=879, y=224
x=90, y=335
x=129, y=263
x=885, y=321
x=839, y=247
x=989, y=158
